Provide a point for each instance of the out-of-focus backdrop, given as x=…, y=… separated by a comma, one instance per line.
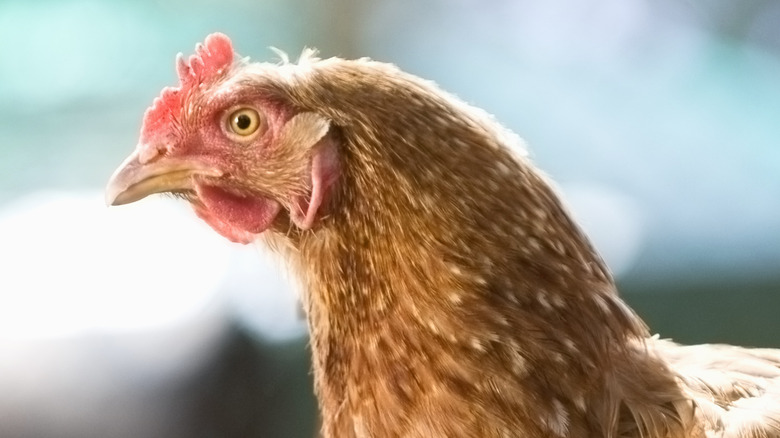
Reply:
x=659, y=119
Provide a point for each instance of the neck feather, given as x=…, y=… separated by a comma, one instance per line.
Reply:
x=448, y=266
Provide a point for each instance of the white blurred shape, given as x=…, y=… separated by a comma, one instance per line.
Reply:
x=71, y=265
x=263, y=296
x=612, y=220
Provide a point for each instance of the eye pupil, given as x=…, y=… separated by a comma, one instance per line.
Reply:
x=243, y=121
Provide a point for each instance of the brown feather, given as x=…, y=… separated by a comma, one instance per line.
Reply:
x=450, y=294
x=448, y=291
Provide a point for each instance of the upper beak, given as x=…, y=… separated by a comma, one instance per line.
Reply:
x=134, y=180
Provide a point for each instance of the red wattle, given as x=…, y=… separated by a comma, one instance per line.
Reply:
x=236, y=217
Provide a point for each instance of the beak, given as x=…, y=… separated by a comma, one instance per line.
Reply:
x=134, y=180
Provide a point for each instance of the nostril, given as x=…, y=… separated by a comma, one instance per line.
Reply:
x=149, y=153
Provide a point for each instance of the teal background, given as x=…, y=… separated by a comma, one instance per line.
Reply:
x=660, y=120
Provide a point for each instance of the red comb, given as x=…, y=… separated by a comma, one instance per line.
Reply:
x=211, y=60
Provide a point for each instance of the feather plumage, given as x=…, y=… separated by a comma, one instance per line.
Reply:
x=447, y=289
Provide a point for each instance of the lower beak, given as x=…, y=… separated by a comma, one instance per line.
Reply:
x=134, y=180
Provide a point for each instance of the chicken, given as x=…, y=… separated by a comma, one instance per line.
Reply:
x=447, y=290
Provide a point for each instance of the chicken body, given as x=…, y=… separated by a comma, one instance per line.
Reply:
x=447, y=291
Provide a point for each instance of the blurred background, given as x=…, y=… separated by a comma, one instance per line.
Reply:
x=659, y=119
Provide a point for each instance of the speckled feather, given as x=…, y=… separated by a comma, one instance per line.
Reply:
x=449, y=293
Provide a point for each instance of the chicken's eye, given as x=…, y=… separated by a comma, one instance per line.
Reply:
x=244, y=122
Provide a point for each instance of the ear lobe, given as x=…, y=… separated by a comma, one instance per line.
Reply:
x=304, y=129
x=309, y=131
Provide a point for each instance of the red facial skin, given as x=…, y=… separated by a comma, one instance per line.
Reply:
x=250, y=176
